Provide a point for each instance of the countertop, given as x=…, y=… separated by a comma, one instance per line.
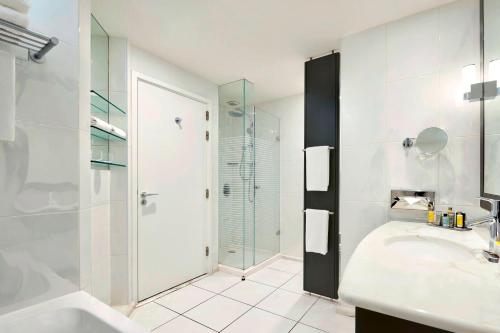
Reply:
x=452, y=293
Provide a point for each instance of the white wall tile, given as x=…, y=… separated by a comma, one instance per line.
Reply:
x=100, y=186
x=408, y=170
x=290, y=110
x=40, y=171
x=85, y=236
x=46, y=93
x=119, y=281
x=459, y=34
x=39, y=258
x=411, y=106
x=424, y=56
x=101, y=261
x=56, y=18
x=357, y=220
x=119, y=228
x=458, y=117
x=118, y=64
x=365, y=173
x=413, y=46
x=459, y=172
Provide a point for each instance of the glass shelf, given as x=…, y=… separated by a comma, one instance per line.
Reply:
x=101, y=134
x=108, y=163
x=100, y=105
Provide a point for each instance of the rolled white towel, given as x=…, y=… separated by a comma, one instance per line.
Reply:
x=118, y=131
x=101, y=124
x=21, y=6
x=13, y=16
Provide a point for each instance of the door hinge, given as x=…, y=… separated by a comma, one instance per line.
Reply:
x=207, y=193
x=340, y=244
x=207, y=135
x=207, y=251
x=207, y=115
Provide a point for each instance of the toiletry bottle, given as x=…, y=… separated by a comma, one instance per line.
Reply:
x=451, y=218
x=438, y=218
x=445, y=221
x=431, y=214
x=459, y=220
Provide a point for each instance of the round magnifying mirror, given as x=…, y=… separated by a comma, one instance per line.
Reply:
x=431, y=140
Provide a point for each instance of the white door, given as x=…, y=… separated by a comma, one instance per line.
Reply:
x=172, y=170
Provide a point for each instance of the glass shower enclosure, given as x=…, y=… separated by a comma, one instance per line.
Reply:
x=249, y=179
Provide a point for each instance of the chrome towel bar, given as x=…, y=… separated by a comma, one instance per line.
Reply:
x=331, y=213
x=37, y=44
x=331, y=148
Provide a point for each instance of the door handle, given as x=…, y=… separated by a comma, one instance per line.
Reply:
x=145, y=195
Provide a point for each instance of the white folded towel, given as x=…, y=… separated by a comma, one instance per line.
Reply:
x=317, y=222
x=7, y=96
x=21, y=6
x=15, y=17
x=317, y=168
x=118, y=131
x=101, y=124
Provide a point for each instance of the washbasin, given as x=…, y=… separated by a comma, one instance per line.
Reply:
x=428, y=248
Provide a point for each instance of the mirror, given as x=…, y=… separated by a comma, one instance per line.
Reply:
x=490, y=104
x=99, y=49
x=431, y=140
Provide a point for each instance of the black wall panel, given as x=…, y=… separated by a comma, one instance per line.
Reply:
x=322, y=79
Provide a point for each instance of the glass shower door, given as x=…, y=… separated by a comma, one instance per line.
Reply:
x=249, y=180
x=236, y=175
x=267, y=186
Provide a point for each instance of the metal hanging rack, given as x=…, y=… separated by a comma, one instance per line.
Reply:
x=38, y=45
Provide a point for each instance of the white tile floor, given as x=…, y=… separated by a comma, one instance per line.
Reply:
x=269, y=301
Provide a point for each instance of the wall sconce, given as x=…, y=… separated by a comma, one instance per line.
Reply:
x=481, y=90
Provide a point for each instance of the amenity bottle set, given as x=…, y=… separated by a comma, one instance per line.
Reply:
x=449, y=219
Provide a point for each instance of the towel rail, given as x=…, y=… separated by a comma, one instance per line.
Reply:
x=330, y=213
x=330, y=147
x=37, y=44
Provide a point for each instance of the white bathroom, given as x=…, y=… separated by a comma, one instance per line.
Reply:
x=263, y=166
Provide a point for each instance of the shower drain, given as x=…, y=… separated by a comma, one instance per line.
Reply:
x=231, y=251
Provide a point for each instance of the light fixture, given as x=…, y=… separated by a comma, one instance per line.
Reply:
x=475, y=91
x=494, y=70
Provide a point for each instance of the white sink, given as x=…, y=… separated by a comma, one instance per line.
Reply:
x=428, y=248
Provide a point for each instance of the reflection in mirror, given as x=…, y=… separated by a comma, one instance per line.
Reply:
x=431, y=140
x=491, y=106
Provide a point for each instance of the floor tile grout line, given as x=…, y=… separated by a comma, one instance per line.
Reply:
x=168, y=321
x=309, y=308
x=284, y=316
x=191, y=283
x=244, y=313
x=181, y=313
x=281, y=285
x=198, y=323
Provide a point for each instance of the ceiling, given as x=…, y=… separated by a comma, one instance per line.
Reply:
x=265, y=41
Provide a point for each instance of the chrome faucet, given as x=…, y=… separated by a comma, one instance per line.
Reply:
x=493, y=220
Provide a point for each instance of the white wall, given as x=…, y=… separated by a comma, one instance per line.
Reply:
x=39, y=172
x=150, y=65
x=396, y=80
x=290, y=110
